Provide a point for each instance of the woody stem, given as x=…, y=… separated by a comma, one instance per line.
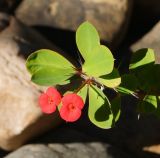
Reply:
x=81, y=86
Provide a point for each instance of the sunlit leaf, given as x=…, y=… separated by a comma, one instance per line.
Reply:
x=99, y=63
x=99, y=111
x=49, y=68
x=111, y=80
x=87, y=38
x=45, y=58
x=142, y=57
x=48, y=77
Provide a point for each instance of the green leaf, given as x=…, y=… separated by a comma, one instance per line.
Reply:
x=99, y=63
x=116, y=108
x=148, y=78
x=129, y=84
x=142, y=57
x=49, y=68
x=99, y=111
x=87, y=38
x=148, y=105
x=83, y=93
x=48, y=77
x=111, y=80
x=48, y=59
x=124, y=91
x=146, y=71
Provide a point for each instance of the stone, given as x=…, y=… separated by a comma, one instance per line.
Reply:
x=33, y=151
x=20, y=116
x=150, y=40
x=108, y=16
x=153, y=149
x=66, y=149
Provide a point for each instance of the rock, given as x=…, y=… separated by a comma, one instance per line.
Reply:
x=153, y=149
x=68, y=149
x=150, y=6
x=33, y=151
x=108, y=16
x=150, y=40
x=20, y=116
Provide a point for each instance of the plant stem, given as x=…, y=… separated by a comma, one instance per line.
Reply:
x=82, y=85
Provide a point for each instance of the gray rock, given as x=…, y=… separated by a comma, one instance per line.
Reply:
x=150, y=40
x=108, y=16
x=33, y=151
x=73, y=149
x=20, y=116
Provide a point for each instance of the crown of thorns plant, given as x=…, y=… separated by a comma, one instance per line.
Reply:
x=96, y=74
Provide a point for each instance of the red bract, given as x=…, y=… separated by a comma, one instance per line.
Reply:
x=49, y=100
x=72, y=105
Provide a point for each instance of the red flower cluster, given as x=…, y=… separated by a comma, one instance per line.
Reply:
x=71, y=108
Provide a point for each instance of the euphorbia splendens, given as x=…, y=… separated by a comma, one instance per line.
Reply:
x=49, y=100
x=49, y=68
x=72, y=105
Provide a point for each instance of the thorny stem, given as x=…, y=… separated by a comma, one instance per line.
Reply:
x=81, y=86
x=89, y=80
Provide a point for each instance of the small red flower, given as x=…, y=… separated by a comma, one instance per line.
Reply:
x=49, y=100
x=72, y=105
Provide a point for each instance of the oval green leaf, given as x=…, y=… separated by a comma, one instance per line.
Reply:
x=48, y=59
x=99, y=111
x=87, y=38
x=49, y=68
x=99, y=63
x=49, y=77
